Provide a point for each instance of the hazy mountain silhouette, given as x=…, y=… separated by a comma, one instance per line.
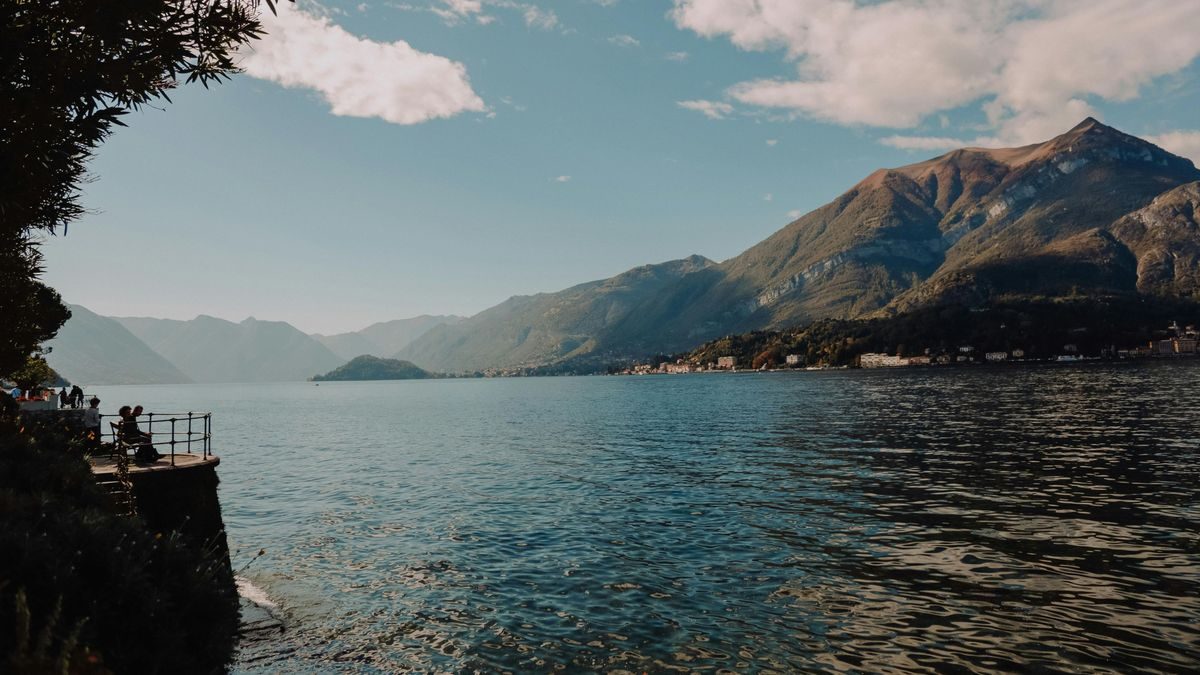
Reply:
x=543, y=328
x=208, y=349
x=383, y=339
x=91, y=349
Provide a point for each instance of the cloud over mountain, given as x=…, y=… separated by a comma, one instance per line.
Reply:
x=1031, y=65
x=1184, y=143
x=356, y=76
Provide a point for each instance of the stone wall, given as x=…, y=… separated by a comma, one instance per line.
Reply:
x=183, y=499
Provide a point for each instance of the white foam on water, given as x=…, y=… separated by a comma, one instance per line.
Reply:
x=249, y=591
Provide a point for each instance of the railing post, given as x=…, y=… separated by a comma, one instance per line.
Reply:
x=172, y=441
x=189, y=433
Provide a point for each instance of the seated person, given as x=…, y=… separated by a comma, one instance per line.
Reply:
x=133, y=436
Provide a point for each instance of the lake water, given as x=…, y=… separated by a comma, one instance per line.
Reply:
x=1042, y=518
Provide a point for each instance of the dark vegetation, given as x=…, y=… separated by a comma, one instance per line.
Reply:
x=368, y=367
x=1040, y=327
x=85, y=591
x=82, y=590
x=69, y=70
x=35, y=373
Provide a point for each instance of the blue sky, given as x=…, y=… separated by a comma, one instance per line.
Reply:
x=384, y=160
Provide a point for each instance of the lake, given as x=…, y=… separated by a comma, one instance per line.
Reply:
x=1041, y=518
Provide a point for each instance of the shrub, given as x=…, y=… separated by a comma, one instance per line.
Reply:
x=102, y=590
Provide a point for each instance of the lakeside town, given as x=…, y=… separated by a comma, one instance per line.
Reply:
x=1176, y=342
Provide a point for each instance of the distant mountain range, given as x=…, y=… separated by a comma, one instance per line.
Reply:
x=383, y=339
x=93, y=349
x=538, y=329
x=208, y=349
x=1091, y=213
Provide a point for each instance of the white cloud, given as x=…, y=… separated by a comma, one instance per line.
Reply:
x=1032, y=65
x=677, y=57
x=715, y=110
x=356, y=76
x=772, y=142
x=562, y=179
x=1182, y=143
x=624, y=41
x=794, y=214
x=537, y=17
x=463, y=7
x=454, y=12
x=933, y=143
x=768, y=197
x=508, y=101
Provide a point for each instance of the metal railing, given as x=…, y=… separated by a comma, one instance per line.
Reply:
x=181, y=429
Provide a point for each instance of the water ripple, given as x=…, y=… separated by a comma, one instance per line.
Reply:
x=975, y=520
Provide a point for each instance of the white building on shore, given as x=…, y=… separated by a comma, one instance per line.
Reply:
x=876, y=360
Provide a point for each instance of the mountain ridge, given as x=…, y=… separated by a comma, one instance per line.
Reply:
x=972, y=223
x=94, y=349
x=383, y=338
x=1091, y=212
x=532, y=330
x=208, y=349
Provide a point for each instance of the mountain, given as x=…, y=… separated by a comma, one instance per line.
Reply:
x=208, y=349
x=1164, y=240
x=548, y=327
x=348, y=345
x=368, y=367
x=383, y=339
x=969, y=225
x=1066, y=217
x=1046, y=228
x=1093, y=213
x=91, y=349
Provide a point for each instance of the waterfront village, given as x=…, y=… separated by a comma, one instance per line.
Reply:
x=1179, y=342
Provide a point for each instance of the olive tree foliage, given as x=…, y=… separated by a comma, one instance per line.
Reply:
x=69, y=71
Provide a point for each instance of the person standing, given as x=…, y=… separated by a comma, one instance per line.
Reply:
x=63, y=397
x=91, y=423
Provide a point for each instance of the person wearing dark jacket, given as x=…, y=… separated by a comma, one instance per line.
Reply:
x=135, y=437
